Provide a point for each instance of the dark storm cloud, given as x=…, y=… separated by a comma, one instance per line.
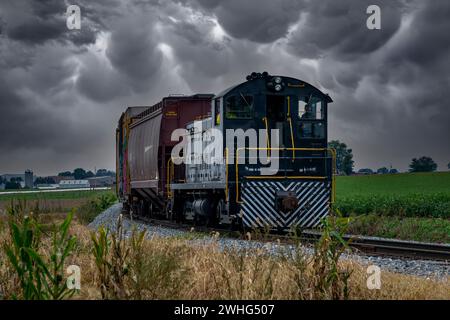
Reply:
x=429, y=44
x=20, y=122
x=99, y=81
x=37, y=21
x=62, y=91
x=37, y=113
x=133, y=51
x=338, y=28
x=36, y=30
x=390, y=101
x=261, y=21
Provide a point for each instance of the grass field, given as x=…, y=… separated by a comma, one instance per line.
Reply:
x=56, y=202
x=412, y=206
x=114, y=267
x=409, y=206
x=406, y=194
x=67, y=195
x=405, y=228
x=401, y=184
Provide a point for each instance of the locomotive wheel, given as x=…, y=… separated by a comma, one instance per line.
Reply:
x=178, y=210
x=214, y=215
x=197, y=220
x=237, y=225
x=150, y=209
x=169, y=211
x=143, y=208
x=125, y=209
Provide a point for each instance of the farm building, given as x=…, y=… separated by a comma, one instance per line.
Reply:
x=29, y=179
x=74, y=184
x=47, y=186
x=106, y=181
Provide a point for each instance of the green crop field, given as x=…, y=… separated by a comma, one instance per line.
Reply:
x=406, y=194
x=65, y=195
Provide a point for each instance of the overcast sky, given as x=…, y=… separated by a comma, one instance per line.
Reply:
x=62, y=91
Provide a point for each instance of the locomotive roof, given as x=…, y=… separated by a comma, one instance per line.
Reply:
x=140, y=111
x=294, y=80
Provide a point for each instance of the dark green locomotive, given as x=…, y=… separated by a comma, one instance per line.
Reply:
x=270, y=167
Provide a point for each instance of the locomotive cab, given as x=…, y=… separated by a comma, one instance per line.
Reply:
x=300, y=191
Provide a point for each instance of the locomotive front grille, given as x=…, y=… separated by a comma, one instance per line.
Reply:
x=285, y=204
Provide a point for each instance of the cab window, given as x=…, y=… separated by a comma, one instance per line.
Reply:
x=239, y=107
x=310, y=108
x=312, y=130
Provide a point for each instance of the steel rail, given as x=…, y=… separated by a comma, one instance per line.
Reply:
x=364, y=244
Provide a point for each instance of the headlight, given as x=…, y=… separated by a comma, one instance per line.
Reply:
x=275, y=84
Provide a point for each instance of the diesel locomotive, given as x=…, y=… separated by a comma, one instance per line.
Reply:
x=271, y=167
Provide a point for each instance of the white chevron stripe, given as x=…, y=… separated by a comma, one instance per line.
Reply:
x=306, y=216
x=259, y=203
x=311, y=213
x=270, y=205
x=304, y=195
x=320, y=217
x=323, y=210
x=270, y=198
x=255, y=212
x=315, y=210
x=291, y=216
x=311, y=210
x=267, y=207
x=255, y=220
x=251, y=221
x=253, y=205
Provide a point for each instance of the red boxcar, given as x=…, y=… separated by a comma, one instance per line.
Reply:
x=143, y=147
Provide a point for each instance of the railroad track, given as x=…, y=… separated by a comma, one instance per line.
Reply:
x=367, y=245
x=394, y=247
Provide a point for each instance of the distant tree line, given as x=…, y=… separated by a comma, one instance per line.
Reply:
x=12, y=184
x=423, y=164
x=345, y=163
x=44, y=180
x=80, y=173
x=382, y=170
x=344, y=157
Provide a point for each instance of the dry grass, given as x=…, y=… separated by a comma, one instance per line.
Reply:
x=165, y=268
x=48, y=205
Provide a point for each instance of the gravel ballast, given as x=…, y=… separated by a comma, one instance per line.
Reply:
x=422, y=268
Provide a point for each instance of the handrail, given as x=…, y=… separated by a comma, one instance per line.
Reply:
x=333, y=153
x=292, y=139
x=333, y=179
x=286, y=177
x=226, y=175
x=267, y=135
x=289, y=106
x=169, y=192
x=290, y=125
